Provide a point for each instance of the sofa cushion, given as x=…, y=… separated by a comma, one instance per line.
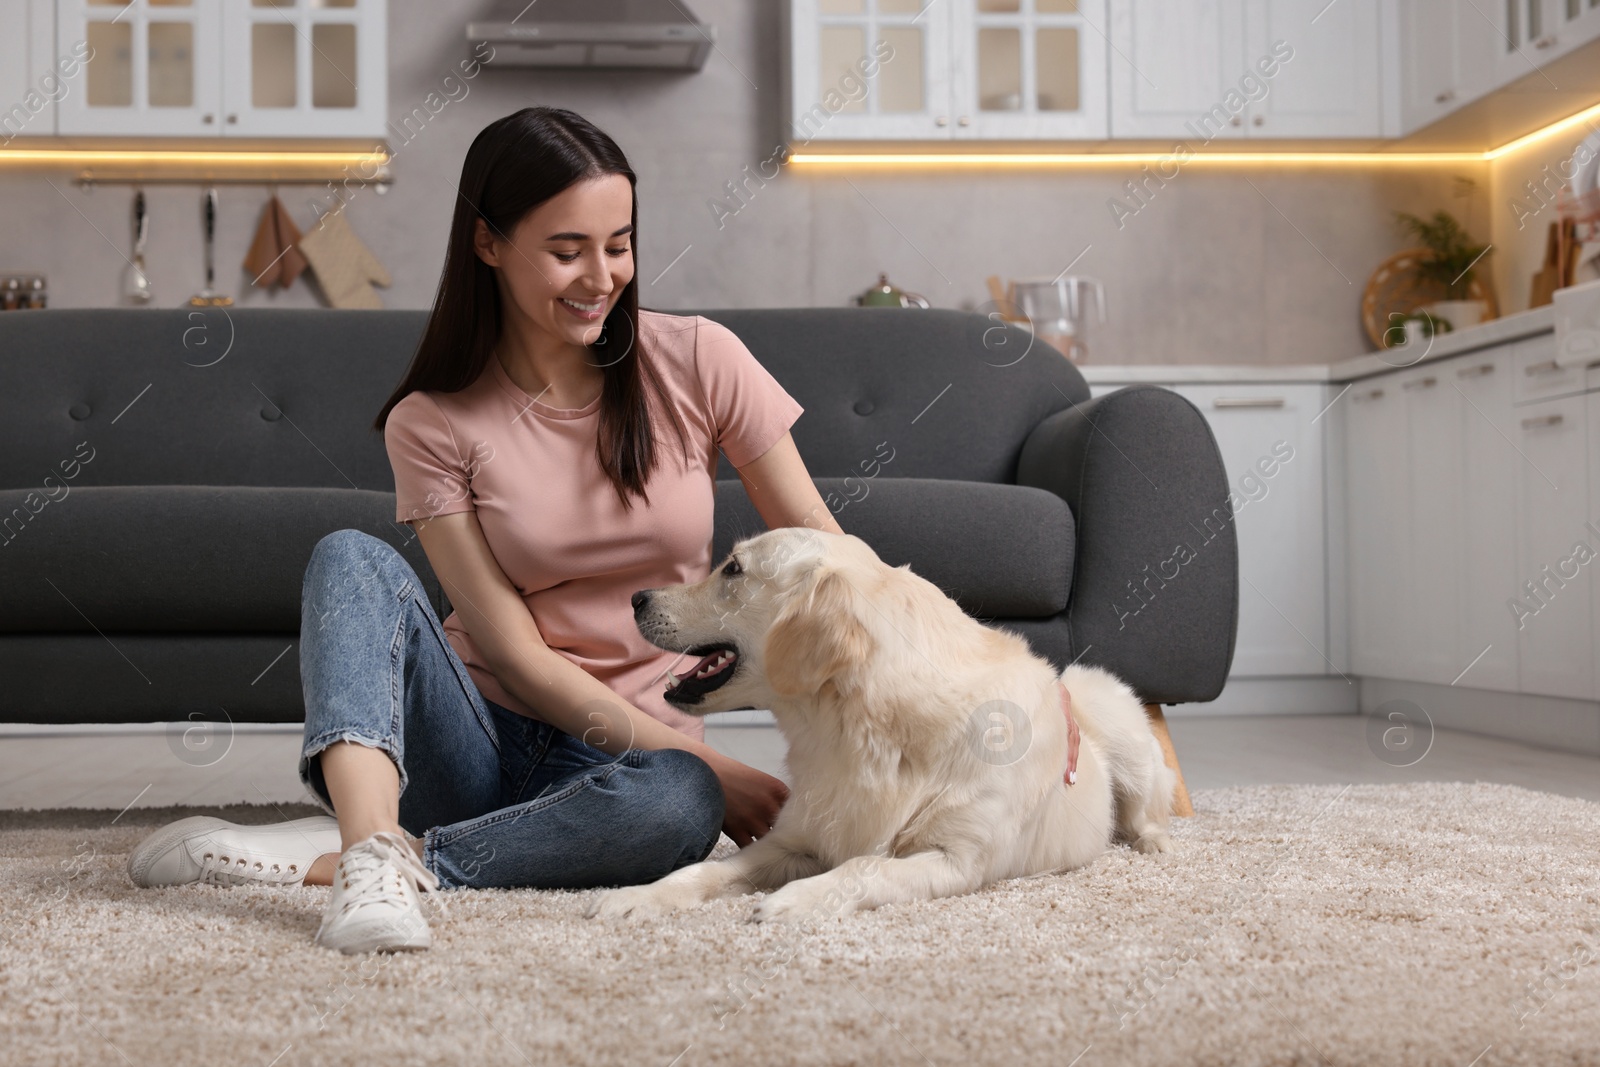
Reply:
x=175, y=557
x=1002, y=551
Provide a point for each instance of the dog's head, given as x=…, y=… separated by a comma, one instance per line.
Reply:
x=782, y=616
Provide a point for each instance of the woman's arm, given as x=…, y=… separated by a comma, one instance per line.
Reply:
x=782, y=490
x=567, y=696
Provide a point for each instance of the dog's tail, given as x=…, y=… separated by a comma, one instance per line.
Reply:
x=1159, y=804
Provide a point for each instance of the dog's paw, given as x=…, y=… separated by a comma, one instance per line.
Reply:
x=631, y=902
x=797, y=902
x=1155, y=843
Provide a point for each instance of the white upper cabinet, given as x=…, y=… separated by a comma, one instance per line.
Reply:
x=947, y=69
x=870, y=68
x=1533, y=32
x=308, y=68
x=1173, y=66
x=302, y=68
x=1450, y=56
x=1328, y=82
x=30, y=77
x=1204, y=70
x=153, y=66
x=1030, y=69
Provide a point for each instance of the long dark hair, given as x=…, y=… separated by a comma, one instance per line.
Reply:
x=514, y=165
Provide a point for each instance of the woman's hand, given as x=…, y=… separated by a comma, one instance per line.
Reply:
x=1072, y=737
x=752, y=800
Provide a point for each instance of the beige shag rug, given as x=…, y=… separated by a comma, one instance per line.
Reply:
x=1448, y=924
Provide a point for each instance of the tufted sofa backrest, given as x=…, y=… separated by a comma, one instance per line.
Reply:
x=285, y=397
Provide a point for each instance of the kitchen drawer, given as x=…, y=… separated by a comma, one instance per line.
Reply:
x=1535, y=374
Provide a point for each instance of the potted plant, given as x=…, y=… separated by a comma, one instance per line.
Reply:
x=1452, y=257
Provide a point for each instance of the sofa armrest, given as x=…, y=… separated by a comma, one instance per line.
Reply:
x=1155, y=587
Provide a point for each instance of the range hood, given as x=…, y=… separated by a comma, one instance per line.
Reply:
x=636, y=34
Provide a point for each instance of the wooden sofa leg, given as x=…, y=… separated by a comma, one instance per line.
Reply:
x=1158, y=726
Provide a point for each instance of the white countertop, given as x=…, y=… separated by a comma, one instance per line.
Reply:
x=1494, y=332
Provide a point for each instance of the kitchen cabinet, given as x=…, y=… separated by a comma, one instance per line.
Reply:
x=300, y=68
x=1555, y=634
x=956, y=69
x=1204, y=70
x=1536, y=31
x=1432, y=557
x=1378, y=528
x=1486, y=644
x=1273, y=455
x=1171, y=64
x=1332, y=86
x=30, y=80
x=1449, y=57
x=1589, y=535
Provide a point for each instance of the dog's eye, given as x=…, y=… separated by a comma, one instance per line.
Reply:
x=731, y=569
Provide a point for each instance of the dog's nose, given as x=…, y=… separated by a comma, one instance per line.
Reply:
x=640, y=598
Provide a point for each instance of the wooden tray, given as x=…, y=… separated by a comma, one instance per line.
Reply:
x=1396, y=288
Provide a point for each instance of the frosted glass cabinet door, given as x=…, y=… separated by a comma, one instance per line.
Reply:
x=865, y=69
x=153, y=66
x=307, y=68
x=1030, y=69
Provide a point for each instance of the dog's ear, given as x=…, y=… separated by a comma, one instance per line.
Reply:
x=817, y=635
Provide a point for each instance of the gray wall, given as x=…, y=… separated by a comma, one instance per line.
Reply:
x=1224, y=264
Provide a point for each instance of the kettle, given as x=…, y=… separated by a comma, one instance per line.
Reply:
x=884, y=295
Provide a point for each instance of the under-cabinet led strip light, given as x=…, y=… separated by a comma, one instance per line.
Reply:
x=1587, y=116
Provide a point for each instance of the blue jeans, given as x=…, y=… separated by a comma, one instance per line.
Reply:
x=500, y=799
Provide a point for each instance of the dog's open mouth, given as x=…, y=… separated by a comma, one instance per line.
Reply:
x=715, y=667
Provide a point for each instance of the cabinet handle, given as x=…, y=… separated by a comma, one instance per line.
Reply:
x=1545, y=42
x=942, y=120
x=1476, y=372
x=1374, y=394
x=963, y=121
x=1549, y=366
x=1445, y=97
x=1236, y=121
x=1421, y=383
x=1247, y=402
x=1260, y=120
x=209, y=118
x=1541, y=421
x=233, y=120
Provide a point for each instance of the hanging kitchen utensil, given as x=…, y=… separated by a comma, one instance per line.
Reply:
x=884, y=295
x=209, y=297
x=137, y=286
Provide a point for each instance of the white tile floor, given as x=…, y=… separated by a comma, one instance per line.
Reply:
x=148, y=767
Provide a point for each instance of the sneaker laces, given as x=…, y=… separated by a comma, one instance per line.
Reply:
x=373, y=870
x=218, y=868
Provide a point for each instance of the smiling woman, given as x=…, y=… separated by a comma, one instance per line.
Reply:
x=525, y=738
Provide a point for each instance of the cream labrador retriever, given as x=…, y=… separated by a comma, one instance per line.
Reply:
x=926, y=750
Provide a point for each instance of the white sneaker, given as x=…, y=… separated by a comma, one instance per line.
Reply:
x=217, y=852
x=374, y=906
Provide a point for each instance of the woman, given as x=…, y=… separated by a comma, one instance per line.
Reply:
x=525, y=738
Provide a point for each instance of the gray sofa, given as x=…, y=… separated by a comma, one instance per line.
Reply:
x=164, y=475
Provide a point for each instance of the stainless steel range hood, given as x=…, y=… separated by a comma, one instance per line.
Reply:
x=637, y=34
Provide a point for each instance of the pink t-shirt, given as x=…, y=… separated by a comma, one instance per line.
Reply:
x=552, y=518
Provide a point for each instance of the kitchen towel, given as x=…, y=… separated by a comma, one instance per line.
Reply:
x=344, y=266
x=273, y=258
